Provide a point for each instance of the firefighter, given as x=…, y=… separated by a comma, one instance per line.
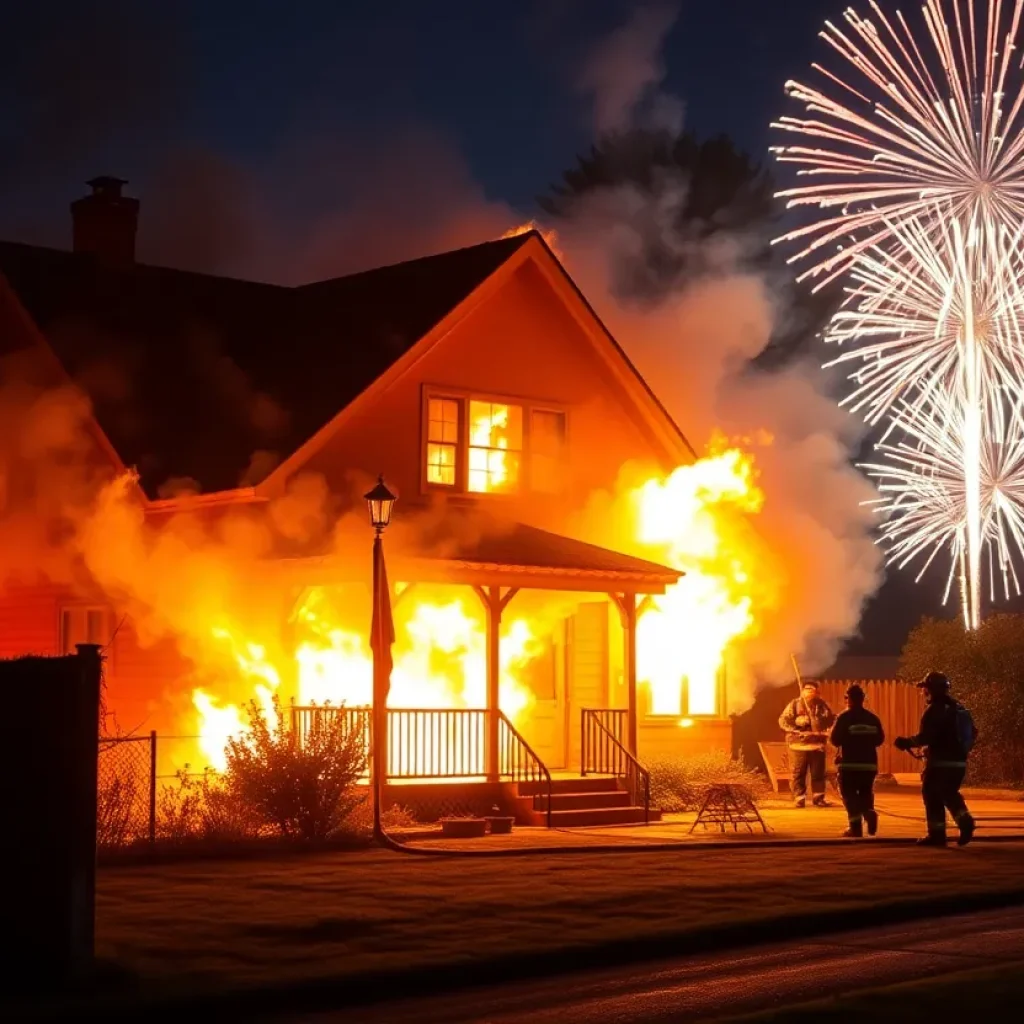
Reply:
x=948, y=734
x=806, y=723
x=858, y=734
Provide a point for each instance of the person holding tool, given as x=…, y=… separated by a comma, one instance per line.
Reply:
x=806, y=722
x=948, y=734
x=858, y=734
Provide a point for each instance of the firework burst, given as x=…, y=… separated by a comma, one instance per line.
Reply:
x=920, y=124
x=918, y=166
x=924, y=500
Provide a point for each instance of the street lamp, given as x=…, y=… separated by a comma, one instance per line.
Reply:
x=380, y=502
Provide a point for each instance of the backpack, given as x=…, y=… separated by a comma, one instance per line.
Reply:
x=966, y=730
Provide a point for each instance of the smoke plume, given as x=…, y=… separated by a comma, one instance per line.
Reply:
x=697, y=346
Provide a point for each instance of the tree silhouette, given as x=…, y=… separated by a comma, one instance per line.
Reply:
x=709, y=209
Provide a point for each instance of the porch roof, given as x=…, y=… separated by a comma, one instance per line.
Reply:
x=525, y=556
x=516, y=555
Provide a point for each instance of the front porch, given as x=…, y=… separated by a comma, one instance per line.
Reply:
x=586, y=719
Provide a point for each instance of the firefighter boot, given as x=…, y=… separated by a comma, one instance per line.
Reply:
x=871, y=820
x=967, y=826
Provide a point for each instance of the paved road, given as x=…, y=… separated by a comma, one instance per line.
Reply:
x=702, y=988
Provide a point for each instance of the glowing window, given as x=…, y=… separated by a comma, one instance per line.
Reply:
x=495, y=446
x=442, y=440
x=547, y=450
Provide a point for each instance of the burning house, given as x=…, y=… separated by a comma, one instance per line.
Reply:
x=183, y=466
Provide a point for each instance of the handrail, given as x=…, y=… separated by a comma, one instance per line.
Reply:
x=602, y=752
x=534, y=771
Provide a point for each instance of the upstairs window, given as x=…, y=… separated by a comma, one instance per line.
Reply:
x=490, y=446
x=495, y=447
x=547, y=450
x=442, y=441
x=80, y=625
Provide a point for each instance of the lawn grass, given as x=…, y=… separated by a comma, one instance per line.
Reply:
x=334, y=929
x=343, y=914
x=965, y=995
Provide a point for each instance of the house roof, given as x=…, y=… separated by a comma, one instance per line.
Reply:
x=214, y=379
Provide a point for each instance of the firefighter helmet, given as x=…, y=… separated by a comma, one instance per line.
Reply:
x=935, y=683
x=855, y=694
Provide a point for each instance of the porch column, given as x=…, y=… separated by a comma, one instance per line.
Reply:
x=495, y=603
x=629, y=612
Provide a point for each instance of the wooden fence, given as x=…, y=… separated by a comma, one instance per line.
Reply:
x=899, y=705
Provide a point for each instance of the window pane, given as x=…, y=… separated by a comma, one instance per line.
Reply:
x=94, y=626
x=496, y=425
x=547, y=432
x=493, y=469
x=443, y=420
x=547, y=450
x=441, y=464
x=67, y=630
x=496, y=444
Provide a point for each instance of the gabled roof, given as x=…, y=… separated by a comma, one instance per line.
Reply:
x=191, y=376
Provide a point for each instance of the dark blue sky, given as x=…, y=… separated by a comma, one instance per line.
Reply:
x=287, y=95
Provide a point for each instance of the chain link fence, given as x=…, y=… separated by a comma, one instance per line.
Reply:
x=126, y=790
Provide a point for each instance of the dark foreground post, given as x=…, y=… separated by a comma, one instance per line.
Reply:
x=49, y=794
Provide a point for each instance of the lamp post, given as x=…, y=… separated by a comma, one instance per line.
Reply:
x=380, y=502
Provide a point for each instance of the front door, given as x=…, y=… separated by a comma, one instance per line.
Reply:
x=544, y=724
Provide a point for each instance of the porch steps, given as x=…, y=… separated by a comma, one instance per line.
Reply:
x=584, y=802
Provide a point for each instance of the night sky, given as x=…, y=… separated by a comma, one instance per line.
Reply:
x=270, y=89
x=259, y=134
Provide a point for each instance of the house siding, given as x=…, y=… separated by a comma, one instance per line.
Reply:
x=29, y=620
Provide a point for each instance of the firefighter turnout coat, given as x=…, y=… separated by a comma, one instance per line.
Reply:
x=858, y=734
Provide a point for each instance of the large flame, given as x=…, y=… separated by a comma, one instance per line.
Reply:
x=696, y=519
x=440, y=658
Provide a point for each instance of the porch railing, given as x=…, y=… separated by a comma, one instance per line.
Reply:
x=603, y=752
x=438, y=743
x=517, y=762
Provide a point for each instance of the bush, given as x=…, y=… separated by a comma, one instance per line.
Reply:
x=680, y=784
x=360, y=820
x=116, y=800
x=304, y=789
x=203, y=808
x=986, y=668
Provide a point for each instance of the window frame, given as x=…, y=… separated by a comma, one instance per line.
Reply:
x=80, y=611
x=464, y=396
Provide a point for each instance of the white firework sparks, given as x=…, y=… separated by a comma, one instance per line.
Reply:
x=918, y=165
x=924, y=501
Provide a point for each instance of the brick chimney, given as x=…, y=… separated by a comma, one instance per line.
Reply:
x=105, y=222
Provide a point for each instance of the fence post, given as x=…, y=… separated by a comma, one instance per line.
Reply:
x=152, y=786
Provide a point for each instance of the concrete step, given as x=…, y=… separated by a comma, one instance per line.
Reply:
x=579, y=801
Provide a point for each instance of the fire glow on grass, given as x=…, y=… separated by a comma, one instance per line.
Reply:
x=695, y=519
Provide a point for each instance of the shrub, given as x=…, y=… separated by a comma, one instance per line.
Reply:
x=304, y=789
x=202, y=807
x=680, y=784
x=360, y=820
x=116, y=800
x=986, y=668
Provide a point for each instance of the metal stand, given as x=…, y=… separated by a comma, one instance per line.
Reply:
x=729, y=803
